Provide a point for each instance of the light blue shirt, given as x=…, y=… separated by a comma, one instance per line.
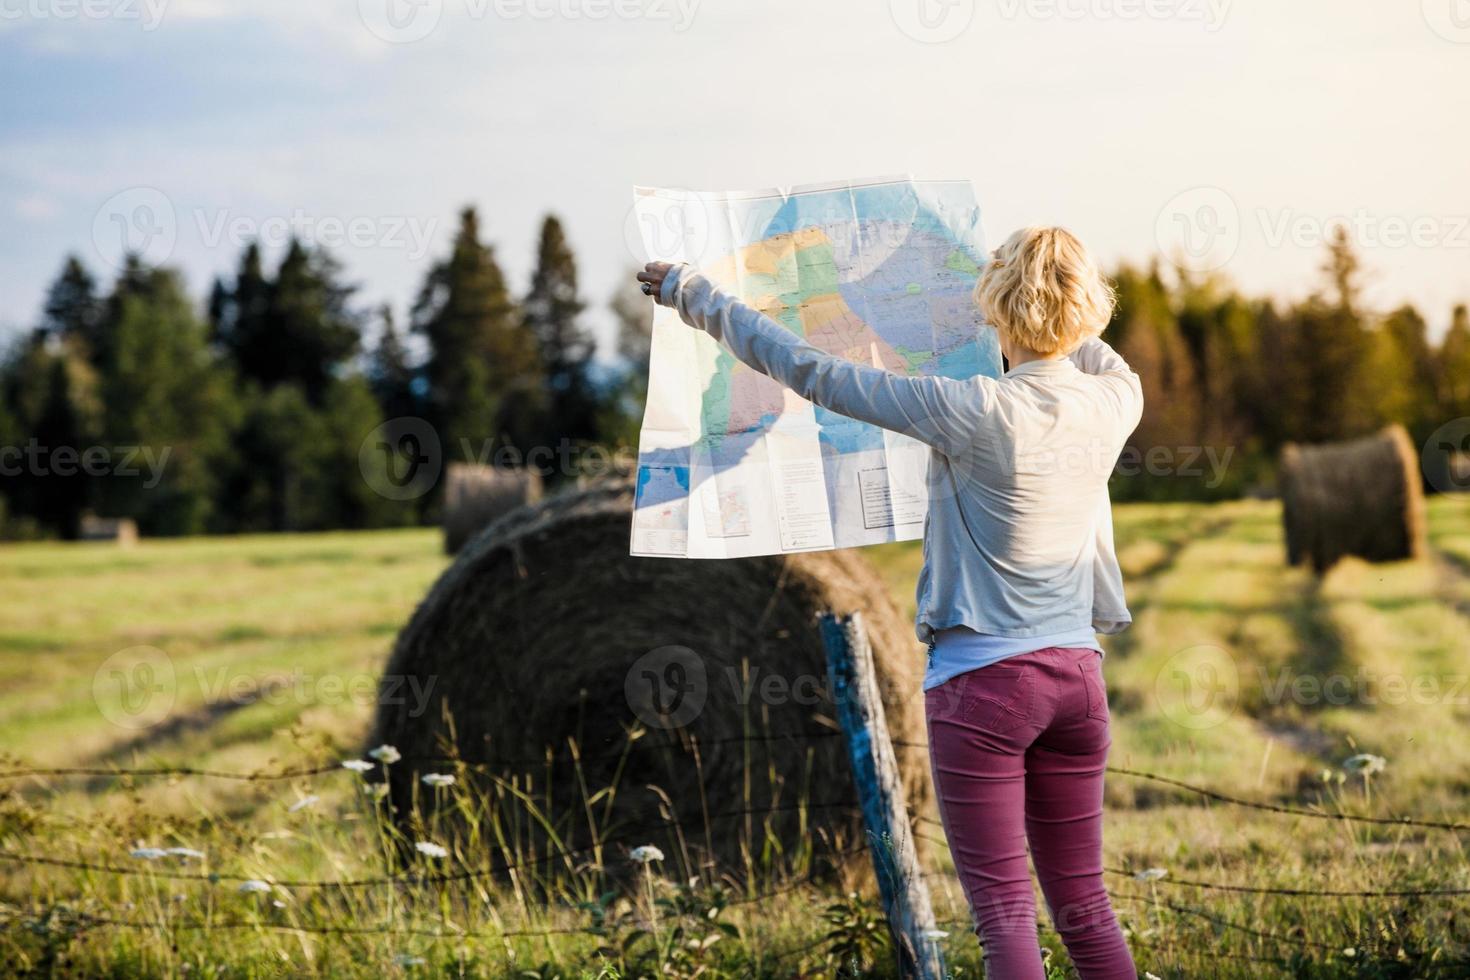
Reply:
x=1018, y=541
x=960, y=650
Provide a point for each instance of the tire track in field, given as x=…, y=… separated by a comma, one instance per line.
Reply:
x=191, y=722
x=1453, y=572
x=1330, y=649
x=1144, y=579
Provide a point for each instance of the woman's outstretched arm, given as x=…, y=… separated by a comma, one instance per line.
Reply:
x=941, y=412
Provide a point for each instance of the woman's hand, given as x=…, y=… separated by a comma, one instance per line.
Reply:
x=652, y=277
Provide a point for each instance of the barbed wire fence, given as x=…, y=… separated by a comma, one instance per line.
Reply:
x=89, y=920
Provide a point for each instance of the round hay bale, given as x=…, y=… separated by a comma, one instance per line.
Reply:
x=695, y=690
x=475, y=496
x=1362, y=497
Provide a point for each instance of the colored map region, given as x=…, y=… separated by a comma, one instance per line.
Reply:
x=877, y=272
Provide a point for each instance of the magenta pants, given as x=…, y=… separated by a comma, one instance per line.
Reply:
x=1018, y=750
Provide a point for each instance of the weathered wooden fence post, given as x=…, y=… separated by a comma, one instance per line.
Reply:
x=854, y=684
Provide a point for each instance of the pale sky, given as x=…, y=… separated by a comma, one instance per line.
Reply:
x=1245, y=127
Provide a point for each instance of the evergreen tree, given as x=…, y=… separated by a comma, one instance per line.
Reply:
x=349, y=415
x=1402, y=368
x=310, y=315
x=483, y=371
x=237, y=315
x=73, y=310
x=298, y=329
x=1146, y=333
x=276, y=481
x=390, y=376
x=622, y=410
x=160, y=392
x=1277, y=404
x=1330, y=353
x=551, y=310
x=1453, y=369
x=1218, y=326
x=52, y=418
x=11, y=527
x=634, y=313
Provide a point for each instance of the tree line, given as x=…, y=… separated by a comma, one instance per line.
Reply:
x=1230, y=379
x=250, y=414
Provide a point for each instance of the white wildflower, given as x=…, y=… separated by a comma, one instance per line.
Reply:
x=1365, y=764
x=254, y=887
x=935, y=934
x=1150, y=874
x=407, y=961
x=646, y=854
x=437, y=779
x=358, y=765
x=303, y=803
x=430, y=849
x=278, y=903
x=187, y=853
x=148, y=853
x=386, y=754
x=377, y=790
x=1151, y=976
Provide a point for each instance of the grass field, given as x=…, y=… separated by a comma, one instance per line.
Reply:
x=1254, y=680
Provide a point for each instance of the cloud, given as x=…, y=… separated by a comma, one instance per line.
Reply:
x=34, y=207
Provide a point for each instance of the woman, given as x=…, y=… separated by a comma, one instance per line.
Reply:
x=1019, y=571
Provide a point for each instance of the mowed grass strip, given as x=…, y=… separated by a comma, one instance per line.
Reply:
x=231, y=615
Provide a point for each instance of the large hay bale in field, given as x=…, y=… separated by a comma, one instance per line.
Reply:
x=545, y=632
x=1362, y=497
x=476, y=496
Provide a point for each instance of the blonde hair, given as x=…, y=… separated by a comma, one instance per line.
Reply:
x=1043, y=292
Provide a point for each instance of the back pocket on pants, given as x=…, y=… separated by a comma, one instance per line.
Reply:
x=1001, y=701
x=1097, y=692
